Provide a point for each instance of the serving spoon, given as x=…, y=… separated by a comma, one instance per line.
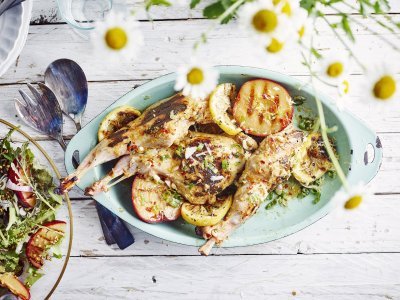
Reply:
x=68, y=82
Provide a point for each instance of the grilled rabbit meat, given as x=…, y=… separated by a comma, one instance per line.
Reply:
x=199, y=167
x=159, y=126
x=269, y=165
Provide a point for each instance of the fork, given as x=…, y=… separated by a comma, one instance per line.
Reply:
x=42, y=112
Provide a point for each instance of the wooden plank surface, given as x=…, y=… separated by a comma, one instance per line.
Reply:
x=356, y=276
x=355, y=257
x=169, y=44
x=377, y=230
x=46, y=12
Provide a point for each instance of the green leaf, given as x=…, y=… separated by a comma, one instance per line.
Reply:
x=194, y=3
x=271, y=204
x=316, y=53
x=346, y=27
x=150, y=3
x=308, y=5
x=214, y=10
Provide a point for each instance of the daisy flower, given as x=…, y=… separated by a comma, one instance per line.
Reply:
x=296, y=14
x=355, y=199
x=381, y=84
x=196, y=79
x=277, y=50
x=264, y=20
x=117, y=37
x=334, y=67
x=343, y=91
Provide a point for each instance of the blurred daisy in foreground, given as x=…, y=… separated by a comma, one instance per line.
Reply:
x=277, y=50
x=381, y=84
x=334, y=67
x=296, y=14
x=196, y=79
x=264, y=20
x=355, y=199
x=117, y=37
x=343, y=91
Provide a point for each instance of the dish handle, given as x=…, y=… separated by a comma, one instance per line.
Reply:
x=366, y=151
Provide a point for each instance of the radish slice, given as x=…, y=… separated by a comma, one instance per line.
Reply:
x=20, y=188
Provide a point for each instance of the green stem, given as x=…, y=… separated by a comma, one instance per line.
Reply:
x=354, y=20
x=224, y=15
x=328, y=145
x=373, y=17
x=324, y=132
x=344, y=43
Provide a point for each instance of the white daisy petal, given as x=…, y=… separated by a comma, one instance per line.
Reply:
x=117, y=37
x=381, y=85
x=334, y=66
x=356, y=199
x=196, y=79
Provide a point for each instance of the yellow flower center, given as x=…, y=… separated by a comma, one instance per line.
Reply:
x=345, y=86
x=275, y=46
x=287, y=9
x=353, y=202
x=335, y=69
x=195, y=76
x=265, y=20
x=276, y=2
x=385, y=87
x=301, y=31
x=116, y=38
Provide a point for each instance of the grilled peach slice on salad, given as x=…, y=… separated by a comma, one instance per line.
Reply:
x=40, y=242
x=17, y=175
x=14, y=285
x=154, y=202
x=263, y=107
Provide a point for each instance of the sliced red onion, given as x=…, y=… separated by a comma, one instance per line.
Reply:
x=20, y=188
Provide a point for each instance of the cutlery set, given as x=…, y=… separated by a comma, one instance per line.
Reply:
x=65, y=91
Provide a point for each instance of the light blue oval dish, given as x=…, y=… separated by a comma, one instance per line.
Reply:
x=352, y=138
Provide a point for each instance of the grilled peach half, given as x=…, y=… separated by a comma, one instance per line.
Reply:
x=154, y=202
x=263, y=107
x=42, y=240
x=14, y=285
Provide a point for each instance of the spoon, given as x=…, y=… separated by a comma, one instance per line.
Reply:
x=68, y=82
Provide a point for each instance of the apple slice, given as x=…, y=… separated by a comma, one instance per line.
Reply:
x=41, y=241
x=14, y=285
x=26, y=199
x=263, y=107
x=154, y=202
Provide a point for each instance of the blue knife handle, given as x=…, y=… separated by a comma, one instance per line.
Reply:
x=117, y=228
x=106, y=232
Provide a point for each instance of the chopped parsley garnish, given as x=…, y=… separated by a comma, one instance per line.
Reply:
x=173, y=198
x=180, y=151
x=225, y=164
x=306, y=123
x=298, y=100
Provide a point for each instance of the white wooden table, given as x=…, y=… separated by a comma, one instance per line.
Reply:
x=348, y=258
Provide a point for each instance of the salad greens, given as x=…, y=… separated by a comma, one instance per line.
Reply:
x=25, y=205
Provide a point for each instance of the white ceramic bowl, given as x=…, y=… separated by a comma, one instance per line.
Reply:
x=14, y=27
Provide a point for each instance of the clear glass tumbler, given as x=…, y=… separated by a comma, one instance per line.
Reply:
x=82, y=14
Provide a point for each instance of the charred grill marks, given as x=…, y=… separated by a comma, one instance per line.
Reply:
x=162, y=113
